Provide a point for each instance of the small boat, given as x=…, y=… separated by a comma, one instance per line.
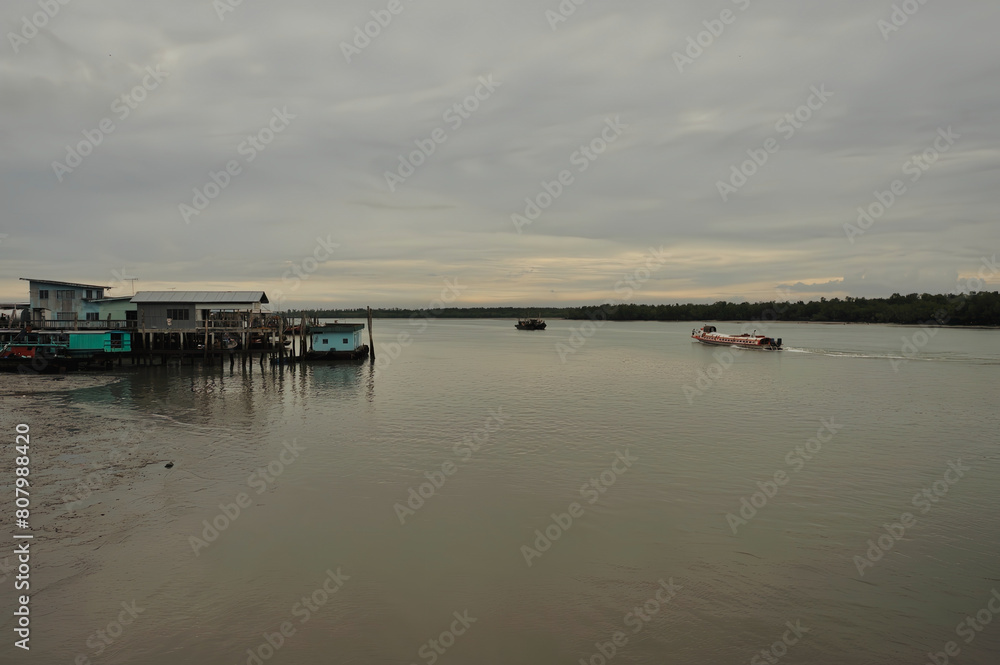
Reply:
x=530, y=324
x=709, y=335
x=53, y=351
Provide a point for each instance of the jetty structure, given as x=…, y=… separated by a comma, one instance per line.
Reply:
x=66, y=325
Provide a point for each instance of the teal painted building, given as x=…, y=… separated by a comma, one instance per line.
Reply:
x=336, y=337
x=85, y=343
x=119, y=309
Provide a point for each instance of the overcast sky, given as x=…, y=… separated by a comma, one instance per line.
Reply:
x=161, y=95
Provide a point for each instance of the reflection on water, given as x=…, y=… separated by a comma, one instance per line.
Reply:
x=287, y=472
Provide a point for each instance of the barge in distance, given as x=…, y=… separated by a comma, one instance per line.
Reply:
x=530, y=324
x=709, y=335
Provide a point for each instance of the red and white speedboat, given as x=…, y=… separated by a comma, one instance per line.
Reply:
x=709, y=335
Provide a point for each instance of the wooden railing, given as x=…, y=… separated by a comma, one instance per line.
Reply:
x=85, y=325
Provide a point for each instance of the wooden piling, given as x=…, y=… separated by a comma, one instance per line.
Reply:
x=281, y=338
x=302, y=337
x=371, y=342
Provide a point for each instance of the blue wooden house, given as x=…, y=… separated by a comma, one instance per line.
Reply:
x=337, y=340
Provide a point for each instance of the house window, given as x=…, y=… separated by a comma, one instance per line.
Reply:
x=179, y=314
x=43, y=294
x=65, y=295
x=326, y=341
x=90, y=294
x=131, y=315
x=345, y=340
x=93, y=316
x=66, y=316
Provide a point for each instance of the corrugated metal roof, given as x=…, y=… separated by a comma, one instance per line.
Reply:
x=50, y=281
x=200, y=296
x=336, y=327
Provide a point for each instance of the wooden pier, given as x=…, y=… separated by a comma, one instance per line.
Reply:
x=213, y=344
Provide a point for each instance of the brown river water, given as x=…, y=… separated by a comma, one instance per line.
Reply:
x=596, y=494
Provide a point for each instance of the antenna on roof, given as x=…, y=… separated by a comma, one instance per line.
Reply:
x=123, y=276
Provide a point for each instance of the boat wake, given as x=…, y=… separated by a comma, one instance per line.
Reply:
x=843, y=354
x=924, y=357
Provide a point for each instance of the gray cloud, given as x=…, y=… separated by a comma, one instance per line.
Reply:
x=655, y=185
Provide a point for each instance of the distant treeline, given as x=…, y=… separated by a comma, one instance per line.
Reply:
x=445, y=313
x=979, y=309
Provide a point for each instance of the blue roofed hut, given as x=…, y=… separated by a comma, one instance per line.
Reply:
x=337, y=341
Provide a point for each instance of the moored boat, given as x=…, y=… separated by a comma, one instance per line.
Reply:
x=530, y=324
x=48, y=351
x=709, y=335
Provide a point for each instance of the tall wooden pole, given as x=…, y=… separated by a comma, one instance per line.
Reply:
x=281, y=338
x=302, y=337
x=371, y=342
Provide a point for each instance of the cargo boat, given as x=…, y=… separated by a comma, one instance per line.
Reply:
x=61, y=350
